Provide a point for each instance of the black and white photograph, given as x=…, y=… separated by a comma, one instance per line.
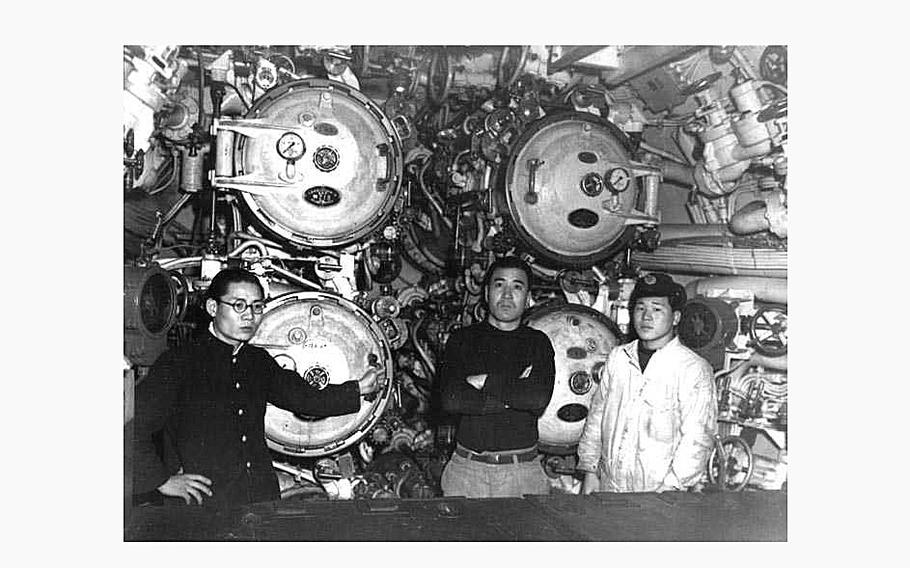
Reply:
x=460, y=283
x=455, y=292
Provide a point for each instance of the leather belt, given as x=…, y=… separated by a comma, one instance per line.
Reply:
x=497, y=459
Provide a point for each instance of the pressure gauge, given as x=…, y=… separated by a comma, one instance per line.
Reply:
x=290, y=146
x=618, y=180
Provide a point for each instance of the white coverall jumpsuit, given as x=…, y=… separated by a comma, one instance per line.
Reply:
x=652, y=429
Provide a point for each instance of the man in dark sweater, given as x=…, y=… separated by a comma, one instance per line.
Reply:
x=207, y=401
x=497, y=376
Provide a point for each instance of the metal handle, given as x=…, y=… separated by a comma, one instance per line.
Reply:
x=385, y=152
x=531, y=195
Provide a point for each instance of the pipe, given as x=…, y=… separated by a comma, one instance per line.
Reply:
x=772, y=85
x=677, y=231
x=547, y=273
x=431, y=368
x=175, y=263
x=212, y=223
x=715, y=183
x=472, y=287
x=765, y=289
x=500, y=67
x=481, y=233
x=745, y=153
x=431, y=198
x=678, y=174
x=776, y=213
x=750, y=219
x=159, y=187
x=663, y=154
x=743, y=64
x=776, y=363
x=252, y=237
x=263, y=252
x=290, y=275
x=161, y=221
x=717, y=259
x=302, y=490
x=295, y=471
x=201, y=116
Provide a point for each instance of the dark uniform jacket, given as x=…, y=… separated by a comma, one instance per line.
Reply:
x=209, y=402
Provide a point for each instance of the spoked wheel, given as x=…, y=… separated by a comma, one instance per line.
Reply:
x=731, y=464
x=768, y=330
x=439, y=77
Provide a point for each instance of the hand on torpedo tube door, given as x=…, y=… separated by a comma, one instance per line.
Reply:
x=187, y=486
x=369, y=382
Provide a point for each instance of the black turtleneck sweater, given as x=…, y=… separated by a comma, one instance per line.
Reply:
x=210, y=403
x=503, y=414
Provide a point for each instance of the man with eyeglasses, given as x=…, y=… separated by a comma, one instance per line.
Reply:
x=205, y=403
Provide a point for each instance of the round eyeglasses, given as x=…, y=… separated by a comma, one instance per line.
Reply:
x=240, y=306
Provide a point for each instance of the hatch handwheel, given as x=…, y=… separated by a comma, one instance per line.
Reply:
x=768, y=330
x=730, y=465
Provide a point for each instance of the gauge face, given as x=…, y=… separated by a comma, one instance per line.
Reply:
x=290, y=146
x=618, y=180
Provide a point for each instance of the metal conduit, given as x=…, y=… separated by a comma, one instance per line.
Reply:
x=765, y=289
x=707, y=259
x=676, y=231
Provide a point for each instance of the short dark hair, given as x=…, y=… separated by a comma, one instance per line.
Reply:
x=222, y=281
x=507, y=262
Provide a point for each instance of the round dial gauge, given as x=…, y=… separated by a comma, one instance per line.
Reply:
x=618, y=180
x=290, y=146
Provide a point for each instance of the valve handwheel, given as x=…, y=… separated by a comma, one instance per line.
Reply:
x=182, y=293
x=773, y=64
x=768, y=330
x=439, y=80
x=731, y=464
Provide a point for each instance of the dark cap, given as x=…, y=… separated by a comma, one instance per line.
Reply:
x=659, y=285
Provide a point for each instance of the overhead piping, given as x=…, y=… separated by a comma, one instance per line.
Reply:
x=765, y=289
x=719, y=259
